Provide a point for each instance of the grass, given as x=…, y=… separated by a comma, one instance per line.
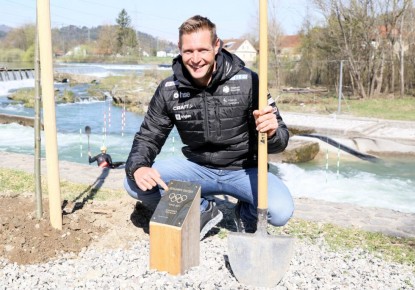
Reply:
x=394, y=109
x=396, y=249
x=135, y=91
x=27, y=97
x=16, y=182
x=381, y=107
x=147, y=81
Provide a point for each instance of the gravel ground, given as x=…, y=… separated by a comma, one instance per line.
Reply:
x=313, y=266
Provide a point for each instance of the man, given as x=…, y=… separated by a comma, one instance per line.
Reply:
x=103, y=159
x=212, y=99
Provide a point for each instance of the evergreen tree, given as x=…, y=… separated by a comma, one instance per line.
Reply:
x=126, y=37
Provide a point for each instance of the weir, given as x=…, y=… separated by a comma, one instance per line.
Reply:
x=16, y=74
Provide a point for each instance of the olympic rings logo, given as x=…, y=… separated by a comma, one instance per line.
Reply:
x=177, y=197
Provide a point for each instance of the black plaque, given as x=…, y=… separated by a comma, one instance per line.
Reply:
x=175, y=203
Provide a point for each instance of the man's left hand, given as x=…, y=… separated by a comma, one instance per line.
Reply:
x=266, y=121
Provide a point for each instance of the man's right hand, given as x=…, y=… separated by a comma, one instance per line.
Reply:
x=146, y=178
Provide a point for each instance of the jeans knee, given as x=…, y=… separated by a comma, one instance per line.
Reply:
x=149, y=198
x=128, y=187
x=279, y=217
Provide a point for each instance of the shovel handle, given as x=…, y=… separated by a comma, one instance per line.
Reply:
x=263, y=83
x=262, y=171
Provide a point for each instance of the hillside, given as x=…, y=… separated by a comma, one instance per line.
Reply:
x=67, y=37
x=4, y=29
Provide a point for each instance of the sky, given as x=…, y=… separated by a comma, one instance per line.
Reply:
x=159, y=18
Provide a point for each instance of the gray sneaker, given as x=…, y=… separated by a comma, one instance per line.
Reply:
x=209, y=218
x=243, y=226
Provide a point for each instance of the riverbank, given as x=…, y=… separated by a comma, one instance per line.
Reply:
x=380, y=137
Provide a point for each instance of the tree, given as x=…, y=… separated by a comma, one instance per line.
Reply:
x=364, y=32
x=107, y=40
x=274, y=40
x=126, y=36
x=393, y=12
x=408, y=45
x=17, y=45
x=21, y=37
x=274, y=43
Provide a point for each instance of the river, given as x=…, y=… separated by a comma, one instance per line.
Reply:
x=389, y=184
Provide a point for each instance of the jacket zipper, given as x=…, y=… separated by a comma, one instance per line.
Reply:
x=218, y=125
x=206, y=121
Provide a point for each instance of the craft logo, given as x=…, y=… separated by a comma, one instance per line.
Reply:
x=177, y=197
x=182, y=107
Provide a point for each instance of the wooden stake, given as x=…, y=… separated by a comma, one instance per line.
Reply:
x=49, y=114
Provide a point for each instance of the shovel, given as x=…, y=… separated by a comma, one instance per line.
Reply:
x=87, y=132
x=259, y=259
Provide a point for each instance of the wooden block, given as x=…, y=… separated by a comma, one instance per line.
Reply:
x=175, y=229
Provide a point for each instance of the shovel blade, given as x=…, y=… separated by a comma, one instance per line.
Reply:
x=259, y=260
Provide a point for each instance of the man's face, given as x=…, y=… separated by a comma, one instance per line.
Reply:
x=198, y=55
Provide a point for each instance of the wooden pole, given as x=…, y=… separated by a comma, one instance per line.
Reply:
x=263, y=83
x=38, y=187
x=49, y=114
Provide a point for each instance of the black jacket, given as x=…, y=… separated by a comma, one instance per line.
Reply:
x=215, y=123
x=104, y=160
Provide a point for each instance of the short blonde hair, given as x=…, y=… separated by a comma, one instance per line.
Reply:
x=197, y=23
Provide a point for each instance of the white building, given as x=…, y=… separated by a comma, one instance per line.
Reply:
x=242, y=48
x=161, y=53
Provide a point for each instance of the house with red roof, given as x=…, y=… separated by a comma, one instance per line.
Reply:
x=290, y=46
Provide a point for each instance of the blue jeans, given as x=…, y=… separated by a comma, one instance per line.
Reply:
x=240, y=184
